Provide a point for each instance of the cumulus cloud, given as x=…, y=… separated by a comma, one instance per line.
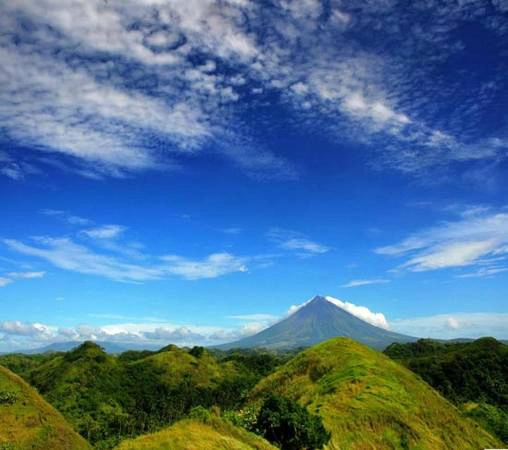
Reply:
x=478, y=238
x=22, y=335
x=362, y=312
x=364, y=282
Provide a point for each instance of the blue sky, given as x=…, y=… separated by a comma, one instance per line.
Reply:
x=186, y=171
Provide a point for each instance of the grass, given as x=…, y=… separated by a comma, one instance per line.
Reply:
x=368, y=401
x=28, y=422
x=193, y=434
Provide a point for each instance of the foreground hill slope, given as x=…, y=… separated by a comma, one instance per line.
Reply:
x=189, y=434
x=316, y=322
x=368, y=401
x=28, y=422
x=472, y=375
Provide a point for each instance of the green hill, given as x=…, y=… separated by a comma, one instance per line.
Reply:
x=191, y=434
x=473, y=375
x=85, y=385
x=368, y=401
x=28, y=422
x=107, y=398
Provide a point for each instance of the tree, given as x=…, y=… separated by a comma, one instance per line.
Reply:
x=290, y=426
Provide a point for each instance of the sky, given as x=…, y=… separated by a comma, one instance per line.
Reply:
x=189, y=171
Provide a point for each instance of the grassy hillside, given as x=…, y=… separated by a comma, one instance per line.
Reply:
x=28, y=422
x=191, y=434
x=368, y=401
x=85, y=385
x=473, y=375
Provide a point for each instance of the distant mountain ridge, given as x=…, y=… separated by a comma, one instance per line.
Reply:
x=109, y=347
x=316, y=321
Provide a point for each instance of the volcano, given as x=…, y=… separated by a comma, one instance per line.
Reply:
x=316, y=321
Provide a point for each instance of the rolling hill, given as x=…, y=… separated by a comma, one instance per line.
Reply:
x=315, y=322
x=28, y=422
x=368, y=401
x=191, y=434
x=107, y=397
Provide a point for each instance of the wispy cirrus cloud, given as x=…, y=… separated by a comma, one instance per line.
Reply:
x=104, y=231
x=297, y=242
x=478, y=238
x=5, y=281
x=108, y=85
x=66, y=254
x=11, y=277
x=64, y=216
x=253, y=317
x=365, y=282
x=26, y=275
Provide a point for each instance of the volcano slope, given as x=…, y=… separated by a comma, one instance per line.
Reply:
x=28, y=422
x=368, y=401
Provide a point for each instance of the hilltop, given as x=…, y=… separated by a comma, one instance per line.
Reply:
x=368, y=401
x=28, y=422
x=315, y=322
x=213, y=433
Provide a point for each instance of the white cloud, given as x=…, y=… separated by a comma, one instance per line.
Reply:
x=477, y=238
x=22, y=335
x=214, y=265
x=66, y=254
x=454, y=325
x=105, y=231
x=364, y=282
x=305, y=245
x=34, y=330
x=66, y=217
x=110, y=84
x=253, y=317
x=362, y=312
x=26, y=275
x=112, y=115
x=296, y=241
x=4, y=281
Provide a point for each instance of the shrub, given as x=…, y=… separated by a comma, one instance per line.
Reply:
x=290, y=426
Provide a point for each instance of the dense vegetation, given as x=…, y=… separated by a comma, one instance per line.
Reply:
x=290, y=426
x=360, y=396
x=473, y=375
x=108, y=398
